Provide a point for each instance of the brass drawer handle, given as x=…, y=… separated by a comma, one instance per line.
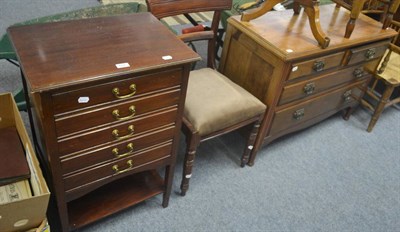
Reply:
x=116, y=168
x=318, y=66
x=116, y=115
x=309, y=88
x=129, y=147
x=347, y=96
x=370, y=53
x=298, y=114
x=132, y=87
x=131, y=130
x=358, y=72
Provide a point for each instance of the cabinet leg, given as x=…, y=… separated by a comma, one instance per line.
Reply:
x=347, y=113
x=169, y=176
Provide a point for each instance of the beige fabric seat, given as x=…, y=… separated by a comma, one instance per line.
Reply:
x=213, y=102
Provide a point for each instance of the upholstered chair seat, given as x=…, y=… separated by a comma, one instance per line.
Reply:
x=213, y=102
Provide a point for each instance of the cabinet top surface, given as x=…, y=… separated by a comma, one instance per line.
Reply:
x=65, y=53
x=289, y=36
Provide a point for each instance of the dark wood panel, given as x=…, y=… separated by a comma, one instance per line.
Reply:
x=105, y=154
x=366, y=53
x=67, y=53
x=102, y=172
x=105, y=115
x=68, y=101
x=114, y=197
x=105, y=135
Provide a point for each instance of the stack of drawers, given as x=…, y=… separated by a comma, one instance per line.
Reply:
x=276, y=58
x=106, y=109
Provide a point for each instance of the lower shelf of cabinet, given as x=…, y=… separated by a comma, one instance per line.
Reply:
x=114, y=197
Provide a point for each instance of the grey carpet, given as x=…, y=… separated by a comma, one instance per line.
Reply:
x=333, y=176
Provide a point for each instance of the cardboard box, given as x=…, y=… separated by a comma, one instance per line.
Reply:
x=27, y=213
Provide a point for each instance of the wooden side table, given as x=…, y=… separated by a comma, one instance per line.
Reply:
x=105, y=100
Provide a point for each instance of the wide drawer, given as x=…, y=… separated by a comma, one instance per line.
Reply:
x=116, y=133
x=127, y=165
x=366, y=53
x=315, y=65
x=116, y=113
x=319, y=84
x=116, y=151
x=124, y=89
x=292, y=116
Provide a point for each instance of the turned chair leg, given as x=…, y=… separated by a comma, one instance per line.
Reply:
x=381, y=106
x=192, y=142
x=250, y=146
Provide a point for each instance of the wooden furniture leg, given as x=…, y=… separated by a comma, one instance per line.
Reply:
x=394, y=5
x=192, y=142
x=311, y=9
x=381, y=106
x=356, y=9
x=251, y=145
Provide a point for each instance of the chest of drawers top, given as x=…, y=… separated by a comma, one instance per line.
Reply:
x=62, y=54
x=289, y=36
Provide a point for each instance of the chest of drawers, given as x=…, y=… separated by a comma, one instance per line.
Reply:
x=106, y=99
x=276, y=58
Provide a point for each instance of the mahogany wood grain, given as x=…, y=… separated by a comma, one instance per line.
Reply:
x=125, y=192
x=91, y=140
x=89, y=159
x=102, y=93
x=88, y=119
x=64, y=61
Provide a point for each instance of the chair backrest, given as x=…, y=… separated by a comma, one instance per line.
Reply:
x=165, y=8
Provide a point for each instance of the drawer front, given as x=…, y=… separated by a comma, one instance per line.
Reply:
x=307, y=110
x=127, y=165
x=319, y=84
x=116, y=133
x=116, y=113
x=316, y=65
x=125, y=89
x=116, y=151
x=366, y=53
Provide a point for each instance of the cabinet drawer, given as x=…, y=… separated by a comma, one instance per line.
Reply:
x=116, y=151
x=130, y=88
x=307, y=110
x=127, y=165
x=116, y=133
x=366, y=53
x=116, y=113
x=318, y=84
x=316, y=65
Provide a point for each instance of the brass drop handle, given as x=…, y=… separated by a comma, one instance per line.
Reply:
x=370, y=53
x=129, y=147
x=298, y=114
x=318, y=66
x=309, y=88
x=116, y=93
x=116, y=168
x=347, y=96
x=117, y=116
x=358, y=72
x=131, y=130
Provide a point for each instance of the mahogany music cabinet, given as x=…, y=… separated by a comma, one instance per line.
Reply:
x=276, y=58
x=106, y=98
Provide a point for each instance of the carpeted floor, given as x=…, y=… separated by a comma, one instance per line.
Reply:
x=333, y=176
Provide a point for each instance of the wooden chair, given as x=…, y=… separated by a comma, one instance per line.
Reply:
x=357, y=6
x=388, y=72
x=214, y=104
